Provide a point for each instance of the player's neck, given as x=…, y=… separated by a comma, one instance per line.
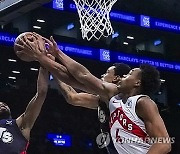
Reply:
x=133, y=92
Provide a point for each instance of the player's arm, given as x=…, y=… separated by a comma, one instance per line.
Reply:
x=148, y=111
x=78, y=99
x=82, y=74
x=37, y=51
x=26, y=121
x=89, y=82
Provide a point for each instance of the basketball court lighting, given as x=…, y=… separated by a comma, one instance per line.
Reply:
x=162, y=80
x=116, y=34
x=12, y=77
x=33, y=69
x=70, y=26
x=16, y=72
x=40, y=20
x=12, y=60
x=36, y=27
x=125, y=43
x=130, y=37
x=157, y=42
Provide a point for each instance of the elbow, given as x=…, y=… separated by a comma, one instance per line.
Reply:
x=70, y=100
x=168, y=147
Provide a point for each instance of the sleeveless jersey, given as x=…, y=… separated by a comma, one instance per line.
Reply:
x=11, y=139
x=105, y=141
x=127, y=129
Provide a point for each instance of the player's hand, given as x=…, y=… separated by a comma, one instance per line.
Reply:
x=29, y=47
x=51, y=57
x=51, y=45
x=46, y=44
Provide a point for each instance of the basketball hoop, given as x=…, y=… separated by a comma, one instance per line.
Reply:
x=94, y=18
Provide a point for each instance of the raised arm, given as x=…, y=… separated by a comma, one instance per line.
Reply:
x=26, y=121
x=37, y=51
x=78, y=99
x=155, y=127
x=82, y=74
x=86, y=81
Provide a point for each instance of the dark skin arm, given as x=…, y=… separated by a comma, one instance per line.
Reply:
x=155, y=127
x=36, y=50
x=72, y=97
x=78, y=99
x=82, y=75
x=86, y=81
x=26, y=121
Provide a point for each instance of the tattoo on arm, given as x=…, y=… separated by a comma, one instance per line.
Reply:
x=65, y=89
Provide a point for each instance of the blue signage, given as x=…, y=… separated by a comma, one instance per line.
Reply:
x=60, y=139
x=124, y=17
x=134, y=59
x=80, y=51
x=105, y=55
x=131, y=18
x=102, y=54
x=7, y=39
x=58, y=4
x=145, y=21
x=165, y=25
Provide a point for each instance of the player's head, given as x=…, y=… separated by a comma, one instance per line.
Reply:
x=143, y=80
x=115, y=72
x=5, y=112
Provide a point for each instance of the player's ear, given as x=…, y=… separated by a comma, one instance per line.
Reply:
x=116, y=79
x=138, y=83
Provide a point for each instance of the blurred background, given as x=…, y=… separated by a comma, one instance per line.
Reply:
x=145, y=31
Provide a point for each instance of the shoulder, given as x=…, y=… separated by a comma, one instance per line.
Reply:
x=146, y=107
x=145, y=101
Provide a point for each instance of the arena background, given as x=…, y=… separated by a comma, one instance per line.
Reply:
x=160, y=43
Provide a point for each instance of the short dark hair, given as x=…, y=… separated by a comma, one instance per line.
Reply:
x=150, y=79
x=121, y=69
x=5, y=114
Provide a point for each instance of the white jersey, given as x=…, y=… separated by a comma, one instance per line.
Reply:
x=127, y=129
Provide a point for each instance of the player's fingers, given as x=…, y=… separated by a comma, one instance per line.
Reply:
x=41, y=45
x=21, y=53
x=48, y=41
x=24, y=43
x=53, y=41
x=37, y=35
x=26, y=40
x=51, y=56
x=19, y=46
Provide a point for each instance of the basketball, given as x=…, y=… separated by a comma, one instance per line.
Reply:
x=23, y=56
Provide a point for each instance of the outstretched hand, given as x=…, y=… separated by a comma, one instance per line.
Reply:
x=33, y=47
x=51, y=45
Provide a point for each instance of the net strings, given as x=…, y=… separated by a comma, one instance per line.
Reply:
x=94, y=18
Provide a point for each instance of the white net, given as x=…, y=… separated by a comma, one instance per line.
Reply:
x=94, y=18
